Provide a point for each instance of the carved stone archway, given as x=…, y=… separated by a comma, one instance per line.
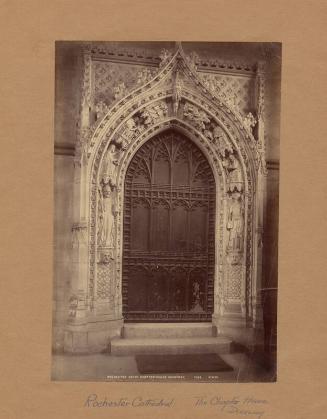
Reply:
x=176, y=98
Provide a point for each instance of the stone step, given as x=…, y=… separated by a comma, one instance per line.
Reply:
x=167, y=330
x=196, y=345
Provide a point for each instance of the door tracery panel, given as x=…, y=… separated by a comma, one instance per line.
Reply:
x=169, y=234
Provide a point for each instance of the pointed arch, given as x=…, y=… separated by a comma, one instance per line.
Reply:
x=221, y=135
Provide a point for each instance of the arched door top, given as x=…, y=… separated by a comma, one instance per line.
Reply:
x=168, y=232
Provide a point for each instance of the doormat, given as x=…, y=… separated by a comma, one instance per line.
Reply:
x=159, y=364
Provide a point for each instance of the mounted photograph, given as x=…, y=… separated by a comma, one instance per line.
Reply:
x=166, y=197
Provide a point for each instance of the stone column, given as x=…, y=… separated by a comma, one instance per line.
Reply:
x=257, y=314
x=75, y=336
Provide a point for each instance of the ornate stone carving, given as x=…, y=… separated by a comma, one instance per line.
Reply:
x=104, y=281
x=120, y=91
x=234, y=91
x=235, y=222
x=154, y=113
x=260, y=95
x=202, y=123
x=165, y=56
x=106, y=212
x=110, y=163
x=193, y=60
x=144, y=76
x=197, y=117
x=101, y=109
x=233, y=173
x=249, y=122
x=220, y=139
x=86, y=76
x=177, y=91
x=116, y=53
x=234, y=275
x=260, y=89
x=83, y=143
x=112, y=80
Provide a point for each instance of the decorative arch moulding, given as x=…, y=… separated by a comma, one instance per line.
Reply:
x=176, y=98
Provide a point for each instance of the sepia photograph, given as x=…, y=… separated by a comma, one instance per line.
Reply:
x=166, y=204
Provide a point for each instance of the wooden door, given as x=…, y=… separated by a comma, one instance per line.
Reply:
x=169, y=232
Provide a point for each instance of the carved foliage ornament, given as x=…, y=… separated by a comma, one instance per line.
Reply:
x=237, y=230
x=198, y=118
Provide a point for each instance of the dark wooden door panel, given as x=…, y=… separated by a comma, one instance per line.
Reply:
x=168, y=258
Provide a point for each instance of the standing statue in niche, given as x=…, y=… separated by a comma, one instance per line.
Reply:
x=235, y=222
x=107, y=212
x=107, y=198
x=234, y=173
x=177, y=91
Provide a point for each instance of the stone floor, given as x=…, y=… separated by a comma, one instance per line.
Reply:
x=106, y=367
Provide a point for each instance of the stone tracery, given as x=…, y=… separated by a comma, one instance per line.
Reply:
x=221, y=134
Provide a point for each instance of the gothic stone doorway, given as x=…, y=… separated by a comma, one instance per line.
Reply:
x=169, y=233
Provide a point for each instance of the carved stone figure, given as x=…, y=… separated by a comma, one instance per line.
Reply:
x=196, y=116
x=106, y=212
x=220, y=139
x=110, y=162
x=128, y=130
x=154, y=113
x=249, y=122
x=235, y=222
x=177, y=92
x=107, y=197
x=234, y=173
x=121, y=143
x=208, y=134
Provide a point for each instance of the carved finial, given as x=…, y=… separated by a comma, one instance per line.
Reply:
x=178, y=46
